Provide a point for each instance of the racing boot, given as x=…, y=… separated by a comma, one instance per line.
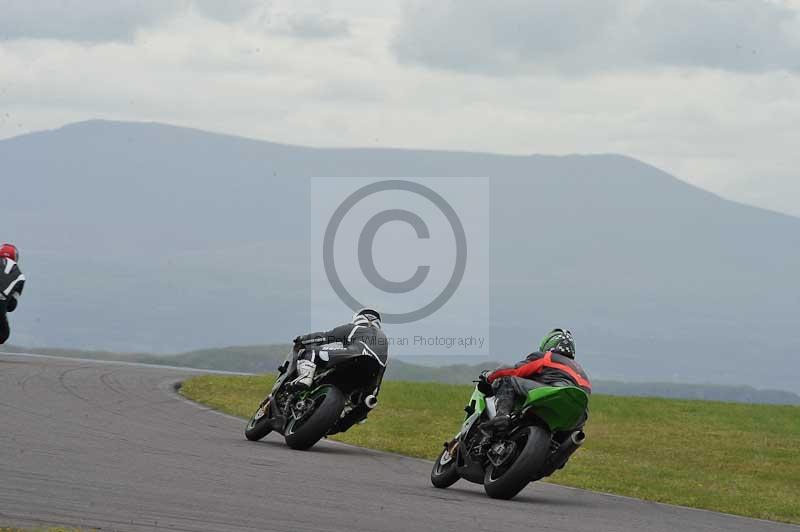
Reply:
x=305, y=374
x=504, y=396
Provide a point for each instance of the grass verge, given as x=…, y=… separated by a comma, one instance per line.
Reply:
x=735, y=458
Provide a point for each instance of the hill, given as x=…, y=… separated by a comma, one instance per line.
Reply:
x=144, y=237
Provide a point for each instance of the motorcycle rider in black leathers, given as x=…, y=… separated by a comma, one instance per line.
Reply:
x=363, y=335
x=12, y=282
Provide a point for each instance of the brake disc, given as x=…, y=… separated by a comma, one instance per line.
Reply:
x=500, y=451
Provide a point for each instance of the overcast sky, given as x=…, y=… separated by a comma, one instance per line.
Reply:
x=708, y=90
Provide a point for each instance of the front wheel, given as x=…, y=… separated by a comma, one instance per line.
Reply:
x=444, y=474
x=259, y=425
x=303, y=433
x=506, y=478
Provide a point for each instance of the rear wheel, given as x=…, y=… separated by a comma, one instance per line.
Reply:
x=444, y=474
x=303, y=432
x=259, y=425
x=527, y=452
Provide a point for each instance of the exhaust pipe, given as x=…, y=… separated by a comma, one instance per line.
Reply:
x=371, y=401
x=577, y=438
x=559, y=458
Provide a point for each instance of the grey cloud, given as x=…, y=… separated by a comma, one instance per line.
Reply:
x=742, y=35
x=226, y=10
x=103, y=20
x=315, y=26
x=503, y=38
x=494, y=37
x=77, y=20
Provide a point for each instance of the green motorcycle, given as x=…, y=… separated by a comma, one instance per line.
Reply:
x=540, y=439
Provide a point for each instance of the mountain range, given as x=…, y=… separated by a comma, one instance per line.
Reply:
x=149, y=237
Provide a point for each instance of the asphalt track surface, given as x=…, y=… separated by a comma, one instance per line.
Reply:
x=113, y=447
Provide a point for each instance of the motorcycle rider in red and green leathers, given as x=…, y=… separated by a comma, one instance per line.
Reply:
x=552, y=365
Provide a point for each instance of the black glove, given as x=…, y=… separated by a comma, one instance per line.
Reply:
x=484, y=386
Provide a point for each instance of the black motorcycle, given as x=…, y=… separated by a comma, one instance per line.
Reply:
x=341, y=395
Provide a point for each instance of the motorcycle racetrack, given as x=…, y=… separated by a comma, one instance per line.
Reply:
x=112, y=446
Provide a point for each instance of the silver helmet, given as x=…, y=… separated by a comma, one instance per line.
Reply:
x=367, y=316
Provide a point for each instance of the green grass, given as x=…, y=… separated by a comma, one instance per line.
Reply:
x=736, y=458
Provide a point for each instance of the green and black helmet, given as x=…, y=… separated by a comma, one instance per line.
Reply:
x=558, y=341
